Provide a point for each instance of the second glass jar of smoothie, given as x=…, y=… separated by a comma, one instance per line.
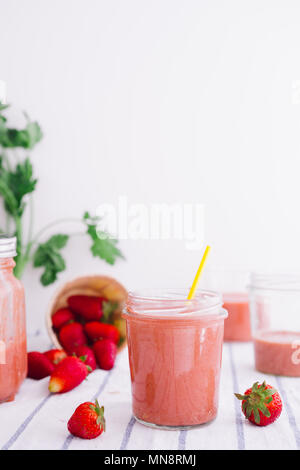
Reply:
x=233, y=284
x=175, y=350
x=275, y=312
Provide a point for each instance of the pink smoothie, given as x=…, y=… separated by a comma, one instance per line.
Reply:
x=278, y=353
x=13, y=372
x=13, y=353
x=237, y=325
x=175, y=369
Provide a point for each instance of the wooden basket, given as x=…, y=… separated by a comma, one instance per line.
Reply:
x=95, y=285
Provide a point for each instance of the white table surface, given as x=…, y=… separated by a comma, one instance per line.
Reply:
x=37, y=420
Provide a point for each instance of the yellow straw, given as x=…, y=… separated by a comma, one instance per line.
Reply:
x=198, y=274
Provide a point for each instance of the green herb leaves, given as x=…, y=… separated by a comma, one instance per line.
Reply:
x=14, y=185
x=16, y=182
x=3, y=106
x=48, y=256
x=103, y=246
x=26, y=138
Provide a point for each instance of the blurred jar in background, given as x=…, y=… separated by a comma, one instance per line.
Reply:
x=233, y=284
x=13, y=353
x=275, y=311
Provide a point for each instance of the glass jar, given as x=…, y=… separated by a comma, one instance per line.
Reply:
x=275, y=312
x=233, y=284
x=13, y=353
x=175, y=350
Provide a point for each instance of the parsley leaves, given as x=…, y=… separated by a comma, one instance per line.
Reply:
x=26, y=138
x=14, y=185
x=103, y=246
x=17, y=181
x=48, y=256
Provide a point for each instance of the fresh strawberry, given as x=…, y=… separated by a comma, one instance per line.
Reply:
x=71, y=336
x=55, y=355
x=39, y=365
x=69, y=373
x=87, y=421
x=96, y=330
x=62, y=317
x=90, y=308
x=105, y=351
x=261, y=404
x=88, y=354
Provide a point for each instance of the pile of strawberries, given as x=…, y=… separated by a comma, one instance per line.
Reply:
x=87, y=342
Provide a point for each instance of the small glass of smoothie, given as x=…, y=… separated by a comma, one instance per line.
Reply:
x=275, y=310
x=233, y=285
x=175, y=351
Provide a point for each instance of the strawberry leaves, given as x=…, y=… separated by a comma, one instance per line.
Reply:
x=256, y=401
x=100, y=413
x=83, y=359
x=99, y=410
x=103, y=245
x=48, y=256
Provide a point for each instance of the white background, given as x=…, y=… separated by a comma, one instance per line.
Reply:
x=162, y=101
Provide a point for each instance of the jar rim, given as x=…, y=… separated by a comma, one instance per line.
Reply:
x=284, y=281
x=170, y=303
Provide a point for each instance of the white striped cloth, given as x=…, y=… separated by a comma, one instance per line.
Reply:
x=37, y=420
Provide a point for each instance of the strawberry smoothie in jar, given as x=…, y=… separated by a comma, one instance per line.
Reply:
x=275, y=308
x=13, y=354
x=175, y=351
x=233, y=285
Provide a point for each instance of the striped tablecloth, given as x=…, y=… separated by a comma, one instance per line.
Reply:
x=37, y=420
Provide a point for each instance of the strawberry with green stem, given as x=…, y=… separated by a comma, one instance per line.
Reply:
x=261, y=404
x=88, y=355
x=87, y=421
